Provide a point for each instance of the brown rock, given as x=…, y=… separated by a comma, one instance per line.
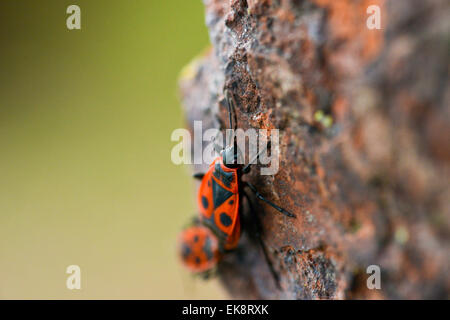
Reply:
x=372, y=187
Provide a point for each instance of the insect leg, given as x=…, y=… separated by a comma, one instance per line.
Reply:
x=259, y=196
x=261, y=242
x=231, y=108
x=206, y=275
x=198, y=175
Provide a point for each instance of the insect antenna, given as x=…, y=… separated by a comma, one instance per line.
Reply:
x=231, y=107
x=251, y=161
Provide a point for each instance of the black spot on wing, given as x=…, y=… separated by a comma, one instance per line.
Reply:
x=225, y=219
x=220, y=195
x=205, y=202
x=185, y=251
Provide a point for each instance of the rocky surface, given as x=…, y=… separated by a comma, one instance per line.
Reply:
x=365, y=153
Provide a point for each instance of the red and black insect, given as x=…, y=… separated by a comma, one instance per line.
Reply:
x=218, y=229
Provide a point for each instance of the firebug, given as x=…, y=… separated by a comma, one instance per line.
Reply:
x=218, y=228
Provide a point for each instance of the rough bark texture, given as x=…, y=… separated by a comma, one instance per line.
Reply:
x=370, y=188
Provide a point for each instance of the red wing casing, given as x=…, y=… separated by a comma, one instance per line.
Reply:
x=218, y=200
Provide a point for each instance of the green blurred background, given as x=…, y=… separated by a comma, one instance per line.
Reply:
x=85, y=170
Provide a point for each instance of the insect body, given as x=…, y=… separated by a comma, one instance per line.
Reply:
x=219, y=200
x=199, y=248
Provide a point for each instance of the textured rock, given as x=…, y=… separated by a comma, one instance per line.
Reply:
x=369, y=187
